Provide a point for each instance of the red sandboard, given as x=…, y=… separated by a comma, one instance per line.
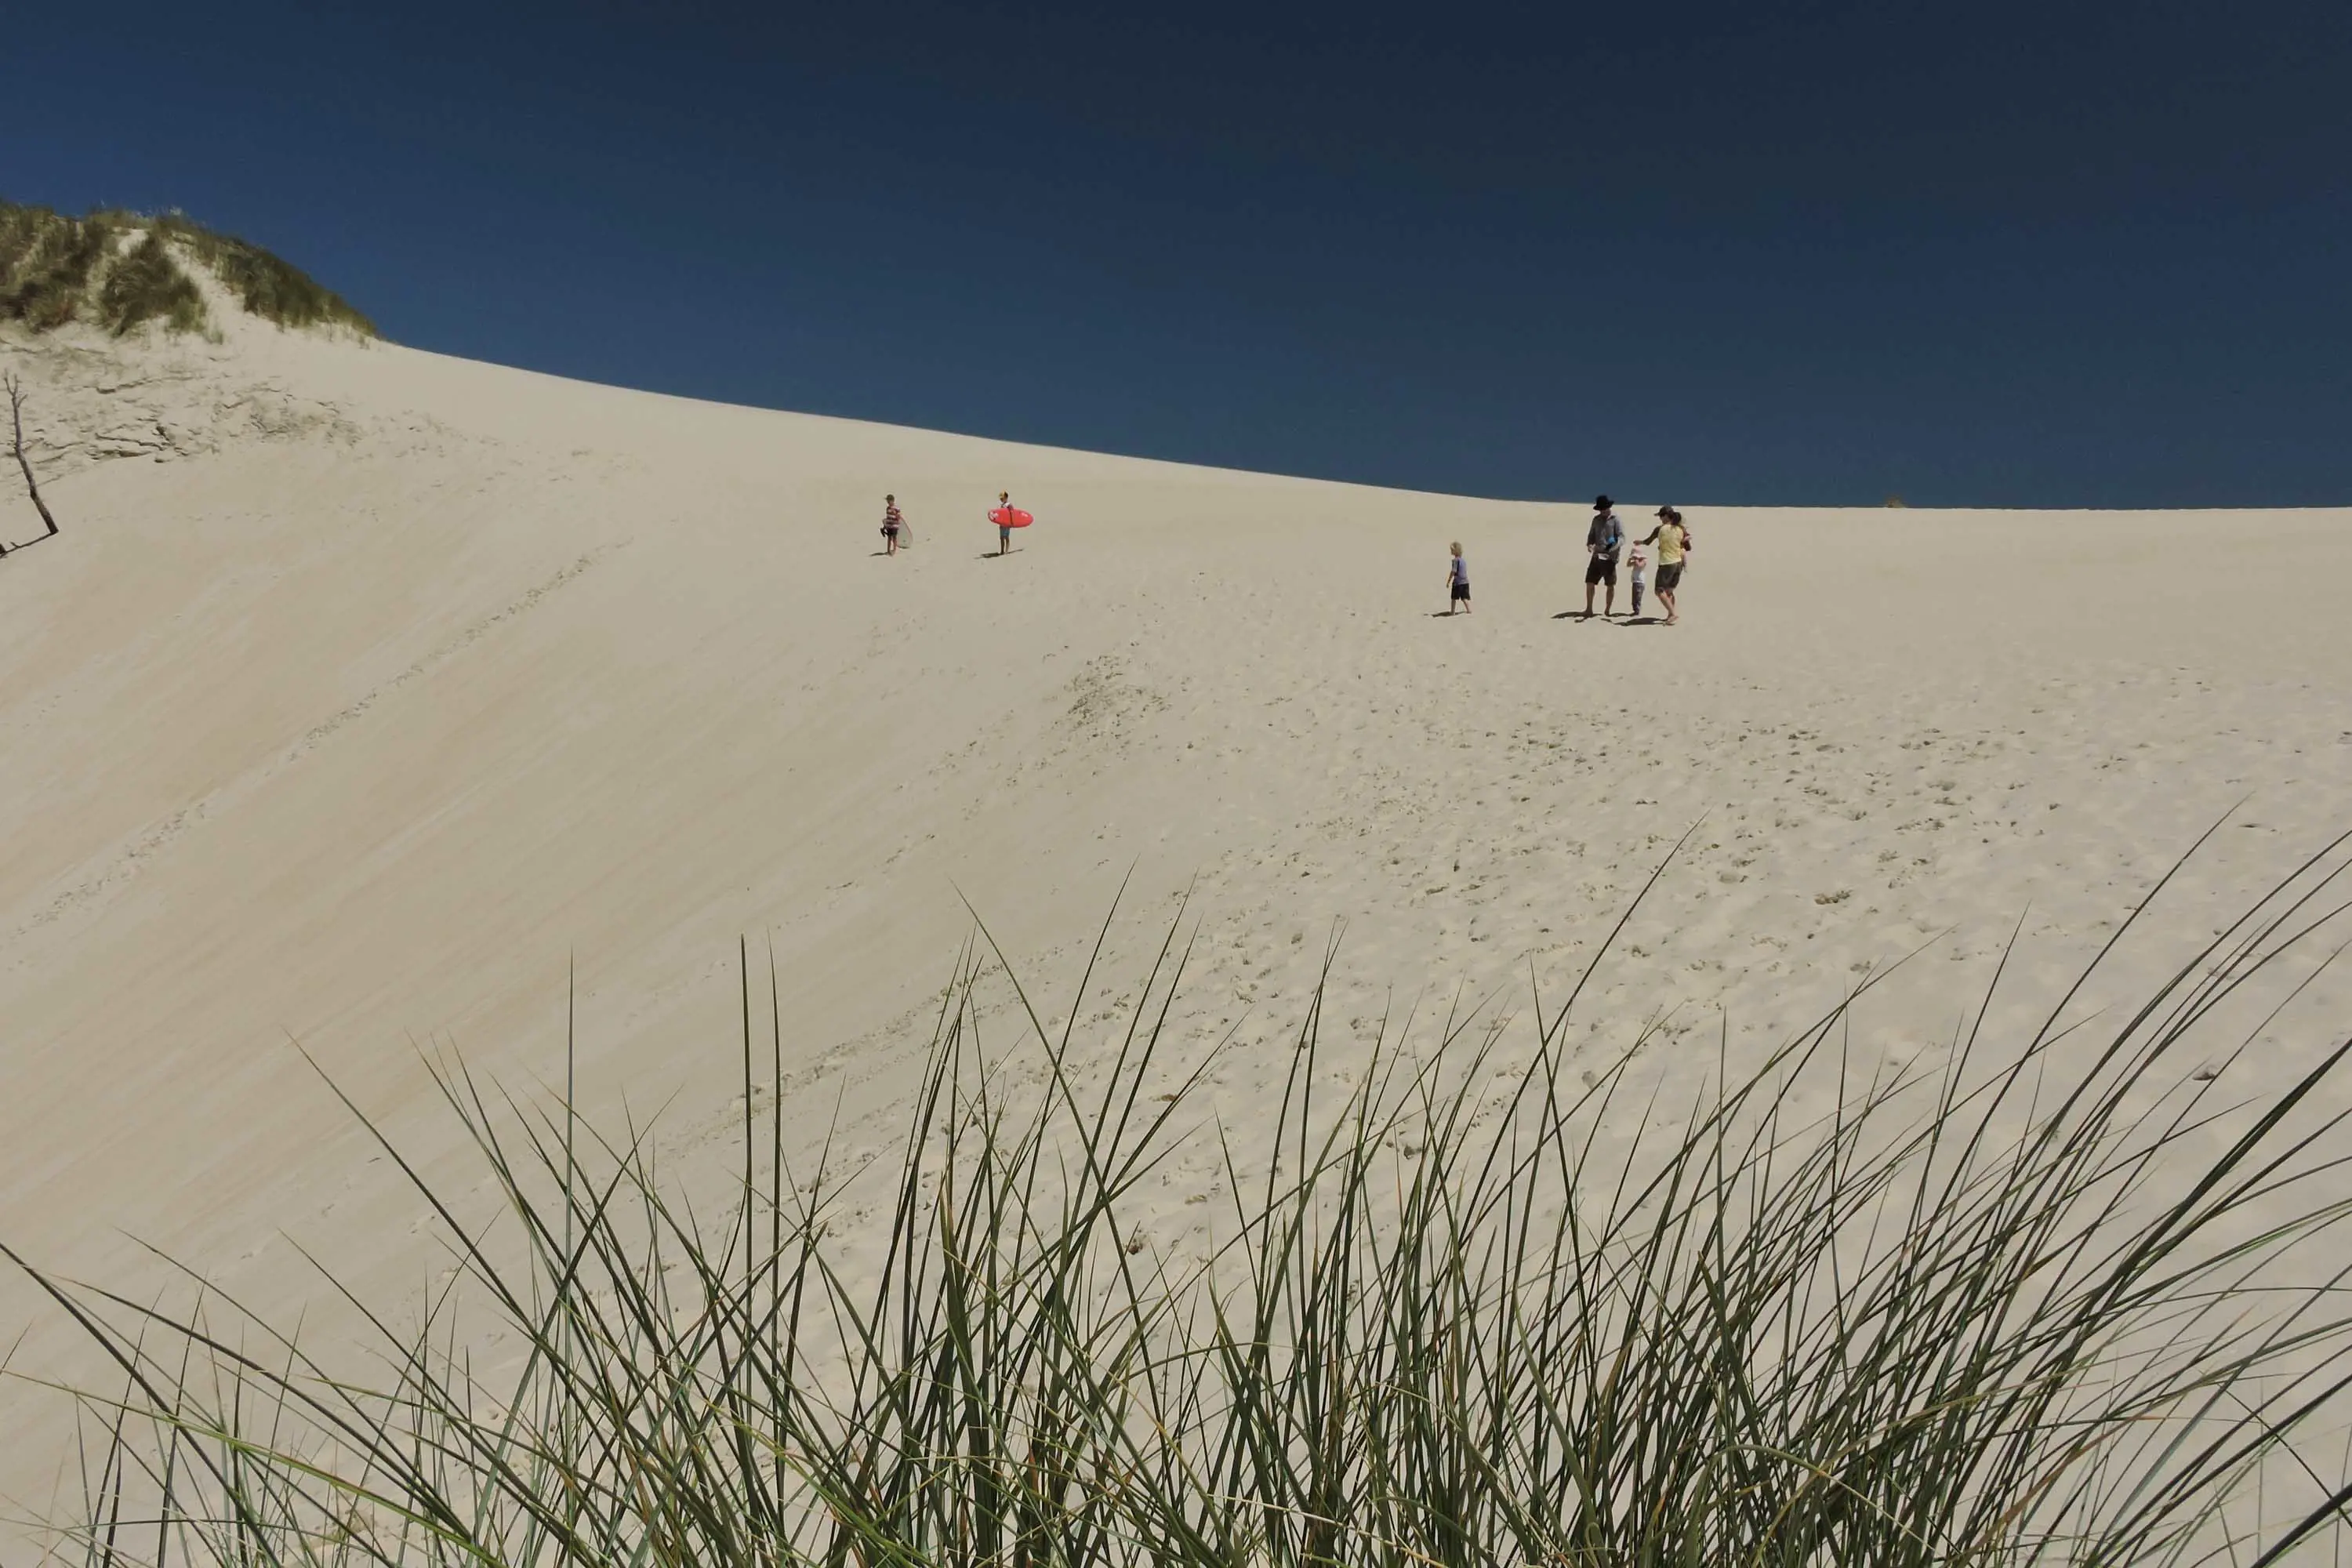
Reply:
x=1009, y=517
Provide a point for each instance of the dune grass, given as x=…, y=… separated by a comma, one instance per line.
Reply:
x=267, y=286
x=118, y=270
x=47, y=263
x=145, y=284
x=2062, y=1307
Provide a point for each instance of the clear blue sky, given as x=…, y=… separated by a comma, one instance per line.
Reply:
x=1996, y=253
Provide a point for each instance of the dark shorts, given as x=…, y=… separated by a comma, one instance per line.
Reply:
x=1601, y=569
x=1668, y=576
x=1462, y=591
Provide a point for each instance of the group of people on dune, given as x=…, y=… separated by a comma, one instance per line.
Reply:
x=1604, y=545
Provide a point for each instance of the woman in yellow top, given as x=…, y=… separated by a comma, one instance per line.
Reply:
x=1673, y=542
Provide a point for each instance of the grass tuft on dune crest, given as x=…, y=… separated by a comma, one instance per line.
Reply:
x=118, y=269
x=2051, y=1301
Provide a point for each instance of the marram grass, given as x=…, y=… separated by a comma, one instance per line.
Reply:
x=119, y=271
x=2076, y=1307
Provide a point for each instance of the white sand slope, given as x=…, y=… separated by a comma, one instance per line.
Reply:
x=368, y=690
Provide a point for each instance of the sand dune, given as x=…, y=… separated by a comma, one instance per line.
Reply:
x=368, y=690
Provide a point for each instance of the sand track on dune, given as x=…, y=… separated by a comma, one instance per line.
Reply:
x=93, y=882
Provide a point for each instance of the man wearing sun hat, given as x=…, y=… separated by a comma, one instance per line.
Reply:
x=1603, y=540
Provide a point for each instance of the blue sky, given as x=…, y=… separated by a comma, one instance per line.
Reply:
x=1998, y=254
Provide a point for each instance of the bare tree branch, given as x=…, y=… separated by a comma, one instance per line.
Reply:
x=15, y=390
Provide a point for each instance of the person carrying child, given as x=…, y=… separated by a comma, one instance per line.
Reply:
x=1457, y=582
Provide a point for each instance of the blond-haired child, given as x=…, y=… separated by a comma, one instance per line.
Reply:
x=1457, y=582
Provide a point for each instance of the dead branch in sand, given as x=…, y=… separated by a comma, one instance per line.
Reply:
x=15, y=390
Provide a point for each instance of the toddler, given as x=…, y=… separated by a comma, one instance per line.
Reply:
x=1457, y=582
x=1639, y=564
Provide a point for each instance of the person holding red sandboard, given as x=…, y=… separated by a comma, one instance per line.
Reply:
x=1007, y=517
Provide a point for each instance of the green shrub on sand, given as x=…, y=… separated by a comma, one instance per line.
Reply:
x=147, y=285
x=47, y=264
x=2042, y=1311
x=267, y=286
x=118, y=269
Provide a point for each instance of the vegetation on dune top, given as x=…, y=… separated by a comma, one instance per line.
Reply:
x=118, y=270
